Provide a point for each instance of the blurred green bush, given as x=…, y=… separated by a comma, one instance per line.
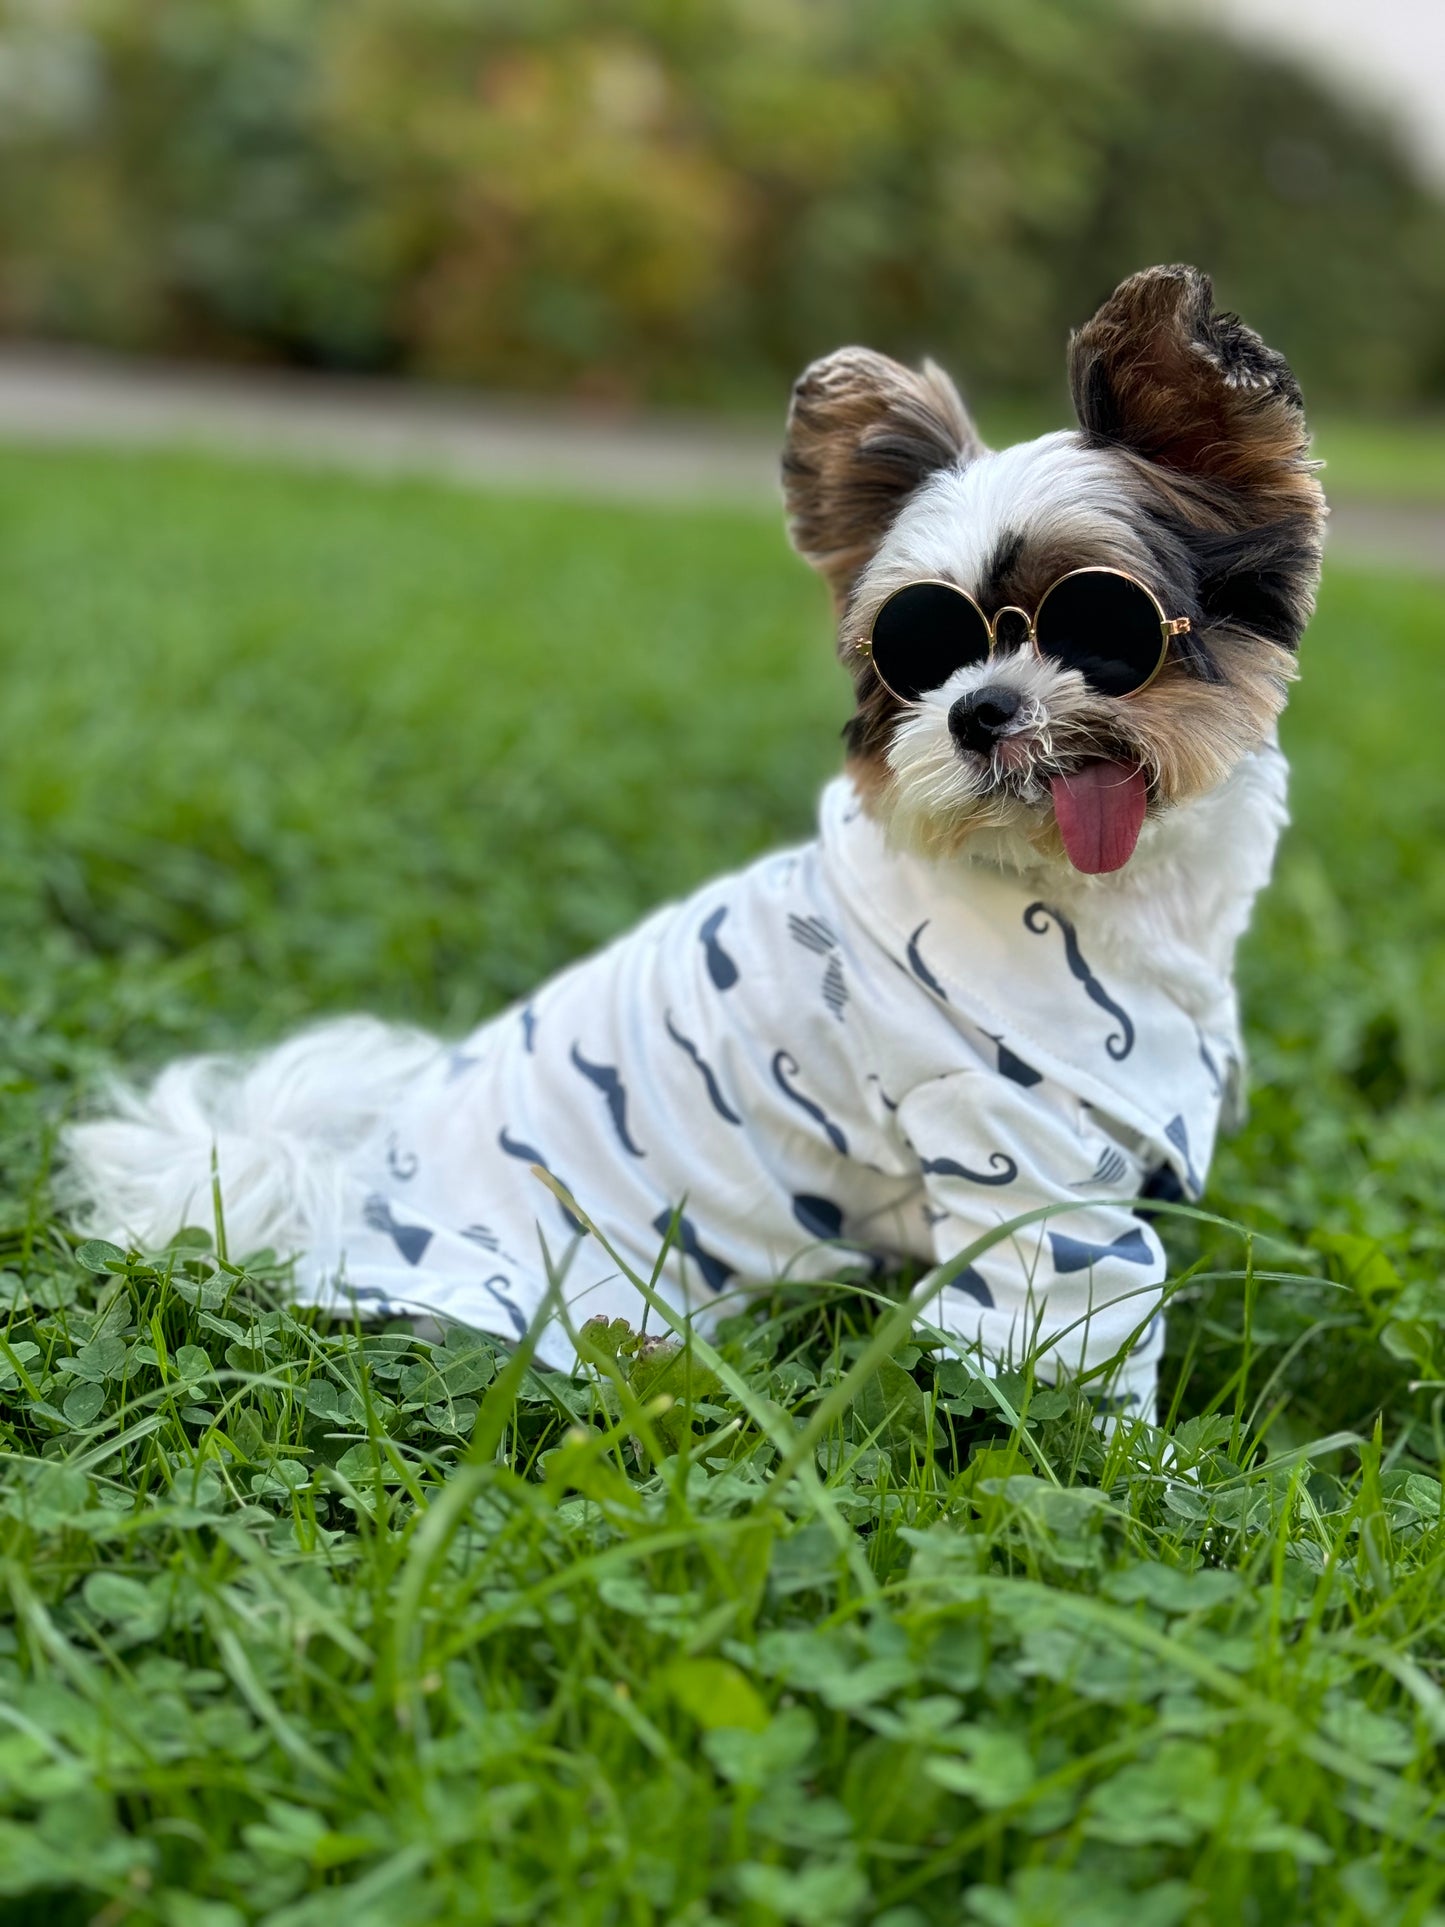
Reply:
x=685, y=199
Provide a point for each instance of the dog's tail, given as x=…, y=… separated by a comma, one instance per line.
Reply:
x=279, y=1130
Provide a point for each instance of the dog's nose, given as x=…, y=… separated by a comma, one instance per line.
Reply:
x=976, y=721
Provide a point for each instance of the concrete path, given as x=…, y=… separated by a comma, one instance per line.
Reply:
x=379, y=427
x=51, y=395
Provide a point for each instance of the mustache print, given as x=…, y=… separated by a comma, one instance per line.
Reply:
x=720, y=966
x=785, y=1067
x=1119, y=1043
x=919, y=968
x=403, y=1165
x=515, y=1148
x=887, y=1101
x=1003, y=1171
x=820, y=1216
x=715, y=1273
x=971, y=1282
x=705, y=1070
x=607, y=1080
x=489, y=1285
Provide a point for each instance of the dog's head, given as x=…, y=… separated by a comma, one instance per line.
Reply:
x=1188, y=473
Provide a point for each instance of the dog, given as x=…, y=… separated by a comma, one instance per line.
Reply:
x=999, y=979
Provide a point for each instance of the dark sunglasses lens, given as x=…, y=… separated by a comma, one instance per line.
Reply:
x=1105, y=626
x=923, y=634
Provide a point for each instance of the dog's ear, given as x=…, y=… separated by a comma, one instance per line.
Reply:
x=863, y=433
x=1219, y=416
x=1160, y=372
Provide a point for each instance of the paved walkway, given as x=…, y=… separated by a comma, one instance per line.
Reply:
x=50, y=395
x=381, y=427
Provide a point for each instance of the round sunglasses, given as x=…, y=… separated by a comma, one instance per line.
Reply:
x=1099, y=621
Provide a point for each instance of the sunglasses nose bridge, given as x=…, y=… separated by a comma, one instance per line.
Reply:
x=1011, y=627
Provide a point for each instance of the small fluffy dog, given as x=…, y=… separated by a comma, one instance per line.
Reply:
x=998, y=979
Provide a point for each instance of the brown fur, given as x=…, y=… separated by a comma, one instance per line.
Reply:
x=1189, y=735
x=863, y=432
x=1195, y=391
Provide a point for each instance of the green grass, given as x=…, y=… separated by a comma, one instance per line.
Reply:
x=1402, y=460
x=318, y=1627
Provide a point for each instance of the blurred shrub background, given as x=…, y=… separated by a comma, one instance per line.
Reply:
x=683, y=200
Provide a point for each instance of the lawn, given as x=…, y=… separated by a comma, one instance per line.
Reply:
x=1400, y=460
x=321, y=1627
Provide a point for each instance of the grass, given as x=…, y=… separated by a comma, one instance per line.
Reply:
x=317, y=1626
x=1399, y=460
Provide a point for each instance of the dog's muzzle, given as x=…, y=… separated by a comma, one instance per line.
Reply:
x=977, y=721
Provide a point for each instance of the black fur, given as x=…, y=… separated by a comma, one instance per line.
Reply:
x=996, y=578
x=1255, y=579
x=1252, y=577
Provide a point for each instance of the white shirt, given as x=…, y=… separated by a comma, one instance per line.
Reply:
x=840, y=1055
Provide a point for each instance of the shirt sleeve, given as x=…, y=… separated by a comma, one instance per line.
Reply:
x=1070, y=1290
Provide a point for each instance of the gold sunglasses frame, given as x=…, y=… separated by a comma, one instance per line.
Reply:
x=1169, y=626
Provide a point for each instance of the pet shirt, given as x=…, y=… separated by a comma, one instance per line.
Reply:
x=841, y=1056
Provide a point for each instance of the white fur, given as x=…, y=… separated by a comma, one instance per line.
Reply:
x=932, y=781
x=1055, y=490
x=281, y=1126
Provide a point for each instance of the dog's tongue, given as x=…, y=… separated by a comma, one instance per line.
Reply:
x=1100, y=810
